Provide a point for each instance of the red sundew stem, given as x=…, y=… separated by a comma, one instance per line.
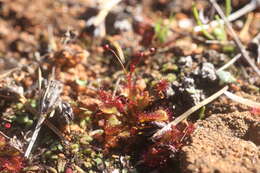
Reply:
x=109, y=100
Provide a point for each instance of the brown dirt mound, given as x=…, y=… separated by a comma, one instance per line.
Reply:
x=224, y=143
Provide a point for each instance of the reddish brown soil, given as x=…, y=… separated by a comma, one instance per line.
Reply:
x=224, y=143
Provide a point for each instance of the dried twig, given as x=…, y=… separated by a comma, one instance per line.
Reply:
x=241, y=12
x=185, y=115
x=29, y=108
x=229, y=63
x=13, y=142
x=8, y=72
x=236, y=39
x=233, y=60
x=242, y=100
x=4, y=135
x=116, y=86
x=218, y=42
x=49, y=100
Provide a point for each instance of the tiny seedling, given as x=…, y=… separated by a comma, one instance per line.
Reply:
x=162, y=30
x=228, y=7
x=199, y=22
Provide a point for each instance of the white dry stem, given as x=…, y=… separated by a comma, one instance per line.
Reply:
x=235, y=37
x=34, y=136
x=242, y=100
x=116, y=87
x=232, y=61
x=48, y=123
x=186, y=114
x=8, y=72
x=48, y=102
x=239, y=13
x=218, y=42
x=4, y=135
x=39, y=79
x=36, y=132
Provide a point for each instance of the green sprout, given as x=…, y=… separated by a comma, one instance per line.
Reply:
x=202, y=112
x=199, y=22
x=81, y=82
x=219, y=32
x=228, y=8
x=162, y=30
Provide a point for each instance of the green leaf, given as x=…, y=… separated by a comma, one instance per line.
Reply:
x=81, y=82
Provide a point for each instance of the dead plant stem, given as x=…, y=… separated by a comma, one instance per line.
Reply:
x=186, y=114
x=235, y=37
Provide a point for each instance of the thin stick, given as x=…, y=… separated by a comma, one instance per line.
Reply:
x=55, y=130
x=48, y=102
x=229, y=63
x=39, y=79
x=242, y=100
x=34, y=136
x=116, y=87
x=4, y=135
x=239, y=13
x=218, y=42
x=7, y=72
x=236, y=39
x=46, y=122
x=186, y=114
x=233, y=60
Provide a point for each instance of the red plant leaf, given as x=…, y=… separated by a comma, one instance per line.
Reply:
x=255, y=111
x=12, y=164
x=159, y=115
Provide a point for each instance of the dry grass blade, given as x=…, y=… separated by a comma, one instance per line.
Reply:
x=8, y=72
x=48, y=102
x=46, y=122
x=4, y=135
x=39, y=79
x=186, y=114
x=116, y=87
x=241, y=12
x=232, y=61
x=236, y=39
x=13, y=142
x=34, y=136
x=242, y=100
